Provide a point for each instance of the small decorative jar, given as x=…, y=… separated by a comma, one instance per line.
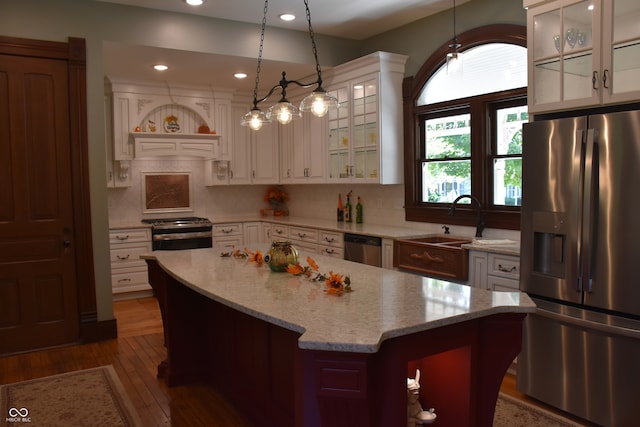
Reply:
x=280, y=255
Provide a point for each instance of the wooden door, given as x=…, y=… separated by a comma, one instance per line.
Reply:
x=38, y=286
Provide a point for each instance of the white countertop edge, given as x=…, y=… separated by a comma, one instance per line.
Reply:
x=310, y=341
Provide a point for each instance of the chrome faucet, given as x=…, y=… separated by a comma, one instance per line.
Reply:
x=479, y=219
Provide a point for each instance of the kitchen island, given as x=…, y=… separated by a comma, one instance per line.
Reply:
x=287, y=353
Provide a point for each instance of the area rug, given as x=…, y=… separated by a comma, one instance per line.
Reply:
x=512, y=412
x=90, y=397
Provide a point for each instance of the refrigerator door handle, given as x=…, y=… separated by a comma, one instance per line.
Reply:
x=590, y=324
x=588, y=205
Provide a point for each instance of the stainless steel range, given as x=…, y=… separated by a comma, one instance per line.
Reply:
x=170, y=234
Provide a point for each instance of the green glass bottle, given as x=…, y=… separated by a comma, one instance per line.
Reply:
x=359, y=212
x=347, y=209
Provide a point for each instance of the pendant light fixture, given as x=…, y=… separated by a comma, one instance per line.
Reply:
x=454, y=58
x=318, y=102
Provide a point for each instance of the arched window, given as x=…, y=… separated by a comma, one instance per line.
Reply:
x=463, y=130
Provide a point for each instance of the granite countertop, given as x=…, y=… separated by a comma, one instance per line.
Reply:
x=501, y=246
x=497, y=246
x=384, y=303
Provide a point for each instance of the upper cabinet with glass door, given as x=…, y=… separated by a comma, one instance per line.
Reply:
x=582, y=53
x=621, y=51
x=365, y=133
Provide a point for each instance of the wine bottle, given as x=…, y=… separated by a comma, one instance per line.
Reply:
x=359, y=212
x=347, y=209
x=340, y=209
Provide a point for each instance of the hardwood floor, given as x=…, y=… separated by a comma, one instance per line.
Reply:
x=135, y=355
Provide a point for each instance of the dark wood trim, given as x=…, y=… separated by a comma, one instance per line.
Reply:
x=95, y=331
x=411, y=88
x=80, y=170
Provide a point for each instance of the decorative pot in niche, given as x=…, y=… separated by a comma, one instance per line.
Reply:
x=280, y=255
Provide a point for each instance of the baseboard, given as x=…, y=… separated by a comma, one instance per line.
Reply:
x=98, y=331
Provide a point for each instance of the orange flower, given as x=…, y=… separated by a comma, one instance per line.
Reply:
x=295, y=269
x=256, y=257
x=335, y=284
x=312, y=263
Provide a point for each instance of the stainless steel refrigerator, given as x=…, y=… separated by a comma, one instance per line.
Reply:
x=580, y=259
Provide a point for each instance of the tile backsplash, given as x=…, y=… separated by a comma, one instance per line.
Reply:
x=383, y=204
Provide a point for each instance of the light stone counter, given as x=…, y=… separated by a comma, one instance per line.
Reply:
x=376, y=230
x=506, y=247
x=384, y=303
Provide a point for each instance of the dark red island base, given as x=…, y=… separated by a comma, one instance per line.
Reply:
x=261, y=369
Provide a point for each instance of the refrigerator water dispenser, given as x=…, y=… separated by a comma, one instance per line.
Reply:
x=549, y=244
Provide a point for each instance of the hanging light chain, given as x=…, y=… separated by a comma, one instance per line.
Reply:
x=258, y=68
x=313, y=43
x=455, y=45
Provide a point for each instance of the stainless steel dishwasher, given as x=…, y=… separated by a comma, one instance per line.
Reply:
x=363, y=249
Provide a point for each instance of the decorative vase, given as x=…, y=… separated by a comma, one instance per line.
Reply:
x=280, y=255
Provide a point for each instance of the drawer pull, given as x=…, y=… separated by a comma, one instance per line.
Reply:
x=122, y=258
x=507, y=270
x=122, y=237
x=124, y=280
x=302, y=235
x=227, y=230
x=330, y=240
x=426, y=256
x=279, y=231
x=329, y=251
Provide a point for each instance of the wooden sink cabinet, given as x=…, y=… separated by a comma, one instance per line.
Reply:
x=436, y=256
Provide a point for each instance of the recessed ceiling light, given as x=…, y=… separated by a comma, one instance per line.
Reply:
x=287, y=16
x=194, y=2
x=240, y=75
x=160, y=67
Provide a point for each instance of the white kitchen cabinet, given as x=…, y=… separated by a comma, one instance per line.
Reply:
x=303, y=150
x=387, y=253
x=252, y=232
x=582, y=53
x=228, y=236
x=253, y=155
x=118, y=172
x=276, y=232
x=365, y=134
x=494, y=271
x=331, y=243
x=128, y=271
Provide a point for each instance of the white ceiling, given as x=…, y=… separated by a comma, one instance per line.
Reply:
x=353, y=19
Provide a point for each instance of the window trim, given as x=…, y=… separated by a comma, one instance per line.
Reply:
x=415, y=209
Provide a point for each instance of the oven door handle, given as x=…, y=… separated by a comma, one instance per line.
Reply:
x=182, y=236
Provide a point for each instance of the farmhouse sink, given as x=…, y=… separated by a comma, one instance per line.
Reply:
x=439, y=241
x=433, y=256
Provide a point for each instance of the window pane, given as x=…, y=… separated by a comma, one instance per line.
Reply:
x=509, y=129
x=448, y=137
x=507, y=178
x=487, y=68
x=444, y=181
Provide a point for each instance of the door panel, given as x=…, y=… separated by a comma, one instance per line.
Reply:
x=38, y=287
x=549, y=217
x=614, y=239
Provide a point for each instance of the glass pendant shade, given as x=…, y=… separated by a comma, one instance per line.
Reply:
x=454, y=63
x=283, y=112
x=318, y=103
x=255, y=119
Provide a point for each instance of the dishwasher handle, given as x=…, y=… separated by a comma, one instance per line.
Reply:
x=363, y=240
